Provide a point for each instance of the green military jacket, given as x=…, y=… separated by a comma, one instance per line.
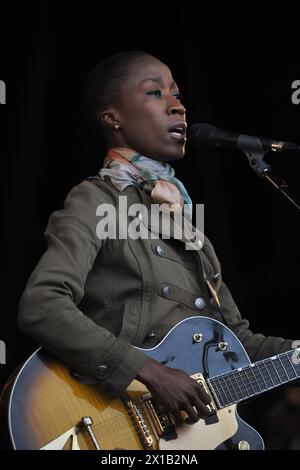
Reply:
x=89, y=300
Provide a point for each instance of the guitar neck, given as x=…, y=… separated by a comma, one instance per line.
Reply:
x=252, y=380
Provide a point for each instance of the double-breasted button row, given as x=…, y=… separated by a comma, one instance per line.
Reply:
x=165, y=291
x=200, y=303
x=101, y=371
x=159, y=250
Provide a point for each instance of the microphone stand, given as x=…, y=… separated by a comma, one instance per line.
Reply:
x=255, y=153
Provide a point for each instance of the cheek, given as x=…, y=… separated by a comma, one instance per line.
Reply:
x=147, y=123
x=156, y=121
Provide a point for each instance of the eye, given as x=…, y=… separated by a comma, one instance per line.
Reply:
x=178, y=96
x=155, y=93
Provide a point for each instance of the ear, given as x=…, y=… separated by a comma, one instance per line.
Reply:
x=109, y=118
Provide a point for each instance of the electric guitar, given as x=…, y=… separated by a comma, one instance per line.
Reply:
x=46, y=408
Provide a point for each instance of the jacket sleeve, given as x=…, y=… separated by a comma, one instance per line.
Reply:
x=257, y=345
x=48, y=309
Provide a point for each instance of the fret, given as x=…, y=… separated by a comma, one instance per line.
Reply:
x=273, y=372
x=228, y=396
x=285, y=373
x=241, y=390
x=223, y=387
x=224, y=382
x=280, y=369
x=289, y=367
x=239, y=376
x=239, y=384
x=269, y=377
x=292, y=365
x=260, y=382
x=256, y=386
x=215, y=391
x=219, y=391
x=223, y=396
x=244, y=370
x=231, y=386
x=259, y=377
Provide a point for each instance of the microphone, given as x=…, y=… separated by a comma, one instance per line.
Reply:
x=207, y=135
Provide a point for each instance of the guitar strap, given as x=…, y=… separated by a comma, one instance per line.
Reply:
x=212, y=291
x=216, y=298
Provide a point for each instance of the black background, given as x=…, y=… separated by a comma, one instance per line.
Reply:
x=233, y=63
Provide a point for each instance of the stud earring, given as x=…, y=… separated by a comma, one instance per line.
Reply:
x=117, y=127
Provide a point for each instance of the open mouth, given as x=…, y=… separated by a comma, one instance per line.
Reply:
x=178, y=131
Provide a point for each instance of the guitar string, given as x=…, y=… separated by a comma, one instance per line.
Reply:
x=118, y=423
x=101, y=432
x=112, y=424
x=265, y=375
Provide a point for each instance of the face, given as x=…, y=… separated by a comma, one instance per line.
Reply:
x=150, y=115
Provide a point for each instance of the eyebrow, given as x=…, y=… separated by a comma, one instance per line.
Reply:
x=158, y=79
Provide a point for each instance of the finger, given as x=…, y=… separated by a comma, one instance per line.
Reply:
x=178, y=418
x=201, y=408
x=203, y=395
x=192, y=413
x=189, y=421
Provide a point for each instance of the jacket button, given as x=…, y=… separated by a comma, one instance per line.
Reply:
x=101, y=371
x=200, y=303
x=165, y=291
x=159, y=250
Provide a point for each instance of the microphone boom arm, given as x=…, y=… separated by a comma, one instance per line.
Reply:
x=253, y=149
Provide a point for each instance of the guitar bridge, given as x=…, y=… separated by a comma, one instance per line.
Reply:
x=143, y=431
x=161, y=421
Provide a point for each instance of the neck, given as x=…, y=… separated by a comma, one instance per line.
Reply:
x=252, y=380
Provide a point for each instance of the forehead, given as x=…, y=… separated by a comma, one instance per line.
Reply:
x=149, y=70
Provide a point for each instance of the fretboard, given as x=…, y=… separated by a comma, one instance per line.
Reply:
x=252, y=380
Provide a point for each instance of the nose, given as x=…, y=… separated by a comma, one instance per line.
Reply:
x=176, y=107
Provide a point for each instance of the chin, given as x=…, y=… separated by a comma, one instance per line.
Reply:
x=166, y=153
x=171, y=155
x=175, y=155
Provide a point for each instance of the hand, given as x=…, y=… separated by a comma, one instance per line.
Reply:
x=175, y=390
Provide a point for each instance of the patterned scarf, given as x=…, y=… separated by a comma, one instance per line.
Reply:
x=126, y=167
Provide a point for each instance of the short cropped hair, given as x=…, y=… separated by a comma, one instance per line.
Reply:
x=102, y=86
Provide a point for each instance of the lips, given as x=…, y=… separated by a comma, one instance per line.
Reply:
x=178, y=131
